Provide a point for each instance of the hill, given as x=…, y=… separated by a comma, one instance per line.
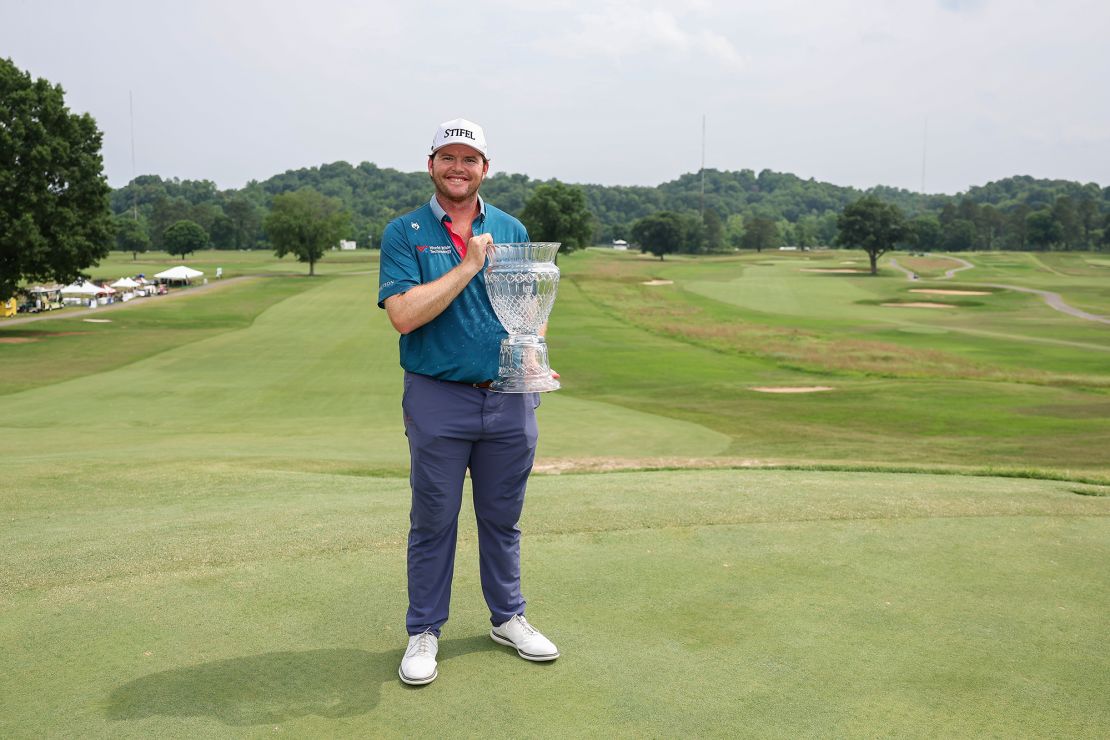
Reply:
x=1018, y=212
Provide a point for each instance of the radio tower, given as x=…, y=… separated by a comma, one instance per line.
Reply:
x=703, y=167
x=134, y=190
x=924, y=145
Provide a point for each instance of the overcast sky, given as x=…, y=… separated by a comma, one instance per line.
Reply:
x=954, y=93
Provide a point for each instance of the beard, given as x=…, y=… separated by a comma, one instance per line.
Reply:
x=455, y=192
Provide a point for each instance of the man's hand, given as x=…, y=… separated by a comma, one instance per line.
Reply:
x=476, y=250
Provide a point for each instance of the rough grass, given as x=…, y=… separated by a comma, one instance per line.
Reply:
x=920, y=390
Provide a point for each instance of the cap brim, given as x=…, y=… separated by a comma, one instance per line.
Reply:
x=449, y=143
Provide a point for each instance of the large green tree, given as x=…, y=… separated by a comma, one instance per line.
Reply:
x=306, y=224
x=659, y=233
x=558, y=213
x=760, y=233
x=184, y=237
x=55, y=219
x=131, y=236
x=873, y=226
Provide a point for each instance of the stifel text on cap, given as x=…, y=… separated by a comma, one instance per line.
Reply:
x=449, y=132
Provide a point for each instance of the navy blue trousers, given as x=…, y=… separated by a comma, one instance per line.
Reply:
x=453, y=427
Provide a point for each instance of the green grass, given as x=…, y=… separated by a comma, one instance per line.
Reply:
x=205, y=510
x=229, y=602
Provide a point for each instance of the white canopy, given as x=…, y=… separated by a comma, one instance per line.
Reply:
x=181, y=272
x=85, y=288
x=125, y=282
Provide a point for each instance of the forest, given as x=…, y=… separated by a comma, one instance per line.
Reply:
x=721, y=210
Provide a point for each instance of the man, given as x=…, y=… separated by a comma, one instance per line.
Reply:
x=433, y=289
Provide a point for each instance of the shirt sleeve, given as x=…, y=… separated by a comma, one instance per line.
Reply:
x=398, y=270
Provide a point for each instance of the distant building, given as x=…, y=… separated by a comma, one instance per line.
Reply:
x=346, y=245
x=620, y=244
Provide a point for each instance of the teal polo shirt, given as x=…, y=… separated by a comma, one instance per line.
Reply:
x=462, y=343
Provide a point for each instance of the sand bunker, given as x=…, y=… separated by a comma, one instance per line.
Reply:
x=937, y=291
x=659, y=282
x=97, y=321
x=17, y=340
x=921, y=304
x=793, y=389
x=830, y=269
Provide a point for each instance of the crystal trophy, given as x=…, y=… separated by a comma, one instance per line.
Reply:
x=521, y=281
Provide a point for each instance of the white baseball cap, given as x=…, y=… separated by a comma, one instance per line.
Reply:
x=460, y=131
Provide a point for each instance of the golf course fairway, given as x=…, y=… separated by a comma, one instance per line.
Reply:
x=205, y=509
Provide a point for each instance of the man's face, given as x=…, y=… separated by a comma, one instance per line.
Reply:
x=457, y=171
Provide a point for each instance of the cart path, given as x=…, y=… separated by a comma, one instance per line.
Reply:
x=67, y=313
x=1054, y=300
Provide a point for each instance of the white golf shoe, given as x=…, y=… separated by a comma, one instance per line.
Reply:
x=418, y=667
x=529, y=643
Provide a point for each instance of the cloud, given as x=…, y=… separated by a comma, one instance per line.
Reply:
x=961, y=6
x=622, y=30
x=722, y=49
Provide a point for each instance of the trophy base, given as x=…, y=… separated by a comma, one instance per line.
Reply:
x=523, y=366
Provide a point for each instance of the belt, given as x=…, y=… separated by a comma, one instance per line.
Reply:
x=484, y=384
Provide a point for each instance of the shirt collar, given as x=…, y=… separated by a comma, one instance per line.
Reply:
x=441, y=214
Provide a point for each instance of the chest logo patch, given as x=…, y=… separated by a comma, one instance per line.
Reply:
x=415, y=226
x=434, y=248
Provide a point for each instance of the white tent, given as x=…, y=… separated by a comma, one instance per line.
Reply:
x=125, y=282
x=85, y=288
x=87, y=291
x=181, y=272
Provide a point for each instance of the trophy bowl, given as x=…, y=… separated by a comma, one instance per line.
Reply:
x=521, y=281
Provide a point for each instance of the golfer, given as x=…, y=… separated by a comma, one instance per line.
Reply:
x=432, y=287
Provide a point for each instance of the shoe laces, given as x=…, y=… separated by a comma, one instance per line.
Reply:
x=528, y=629
x=423, y=645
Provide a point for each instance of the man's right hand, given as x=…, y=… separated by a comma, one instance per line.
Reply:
x=476, y=250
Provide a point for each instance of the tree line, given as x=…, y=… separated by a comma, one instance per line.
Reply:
x=733, y=209
x=58, y=216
